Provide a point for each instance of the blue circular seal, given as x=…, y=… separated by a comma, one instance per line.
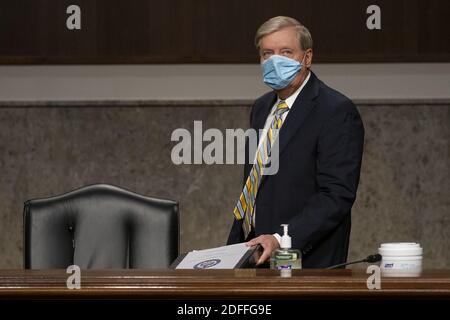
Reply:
x=207, y=264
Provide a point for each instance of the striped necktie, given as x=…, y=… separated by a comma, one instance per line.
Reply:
x=245, y=206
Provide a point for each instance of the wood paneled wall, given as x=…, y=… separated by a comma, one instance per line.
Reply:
x=209, y=31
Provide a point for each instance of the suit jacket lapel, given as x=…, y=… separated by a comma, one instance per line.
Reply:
x=299, y=112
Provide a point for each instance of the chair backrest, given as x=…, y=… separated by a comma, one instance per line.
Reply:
x=98, y=227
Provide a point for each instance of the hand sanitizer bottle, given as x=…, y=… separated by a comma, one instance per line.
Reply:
x=285, y=259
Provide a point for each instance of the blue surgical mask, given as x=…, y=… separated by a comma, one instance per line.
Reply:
x=279, y=71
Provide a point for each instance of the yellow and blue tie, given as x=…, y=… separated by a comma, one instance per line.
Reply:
x=245, y=206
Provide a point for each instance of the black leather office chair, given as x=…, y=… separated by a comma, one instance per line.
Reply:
x=100, y=226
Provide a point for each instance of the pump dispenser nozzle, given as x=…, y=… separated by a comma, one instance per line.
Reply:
x=286, y=241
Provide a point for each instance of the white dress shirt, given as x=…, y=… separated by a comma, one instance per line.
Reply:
x=290, y=102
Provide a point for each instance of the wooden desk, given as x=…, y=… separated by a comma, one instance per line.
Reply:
x=219, y=284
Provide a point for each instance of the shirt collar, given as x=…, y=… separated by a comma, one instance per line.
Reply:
x=291, y=99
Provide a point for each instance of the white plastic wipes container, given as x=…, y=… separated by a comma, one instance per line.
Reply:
x=401, y=259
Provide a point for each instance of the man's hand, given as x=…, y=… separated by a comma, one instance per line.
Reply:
x=269, y=244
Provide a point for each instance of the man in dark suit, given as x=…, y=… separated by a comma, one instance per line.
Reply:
x=320, y=138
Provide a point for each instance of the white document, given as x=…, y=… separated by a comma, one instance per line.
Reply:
x=226, y=257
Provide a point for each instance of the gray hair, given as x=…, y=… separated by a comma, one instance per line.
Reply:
x=277, y=23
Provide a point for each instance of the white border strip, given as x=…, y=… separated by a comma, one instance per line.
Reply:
x=212, y=82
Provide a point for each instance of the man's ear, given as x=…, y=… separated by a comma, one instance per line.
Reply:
x=308, y=58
